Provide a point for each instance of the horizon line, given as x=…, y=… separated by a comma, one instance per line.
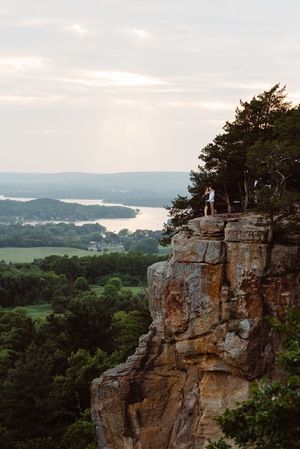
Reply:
x=90, y=172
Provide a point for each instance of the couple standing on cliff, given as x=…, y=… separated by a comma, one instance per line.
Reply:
x=209, y=196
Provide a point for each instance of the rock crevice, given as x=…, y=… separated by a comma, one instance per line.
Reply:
x=208, y=340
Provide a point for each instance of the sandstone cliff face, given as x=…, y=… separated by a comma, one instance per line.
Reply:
x=208, y=340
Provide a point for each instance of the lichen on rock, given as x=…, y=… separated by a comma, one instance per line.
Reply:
x=208, y=340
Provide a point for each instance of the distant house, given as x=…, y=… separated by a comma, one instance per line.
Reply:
x=94, y=246
x=103, y=247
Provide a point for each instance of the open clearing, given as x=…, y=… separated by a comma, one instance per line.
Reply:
x=34, y=311
x=23, y=255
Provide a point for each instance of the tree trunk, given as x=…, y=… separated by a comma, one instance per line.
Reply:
x=228, y=204
x=241, y=196
x=227, y=199
x=246, y=201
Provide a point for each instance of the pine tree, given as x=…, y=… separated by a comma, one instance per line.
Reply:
x=259, y=149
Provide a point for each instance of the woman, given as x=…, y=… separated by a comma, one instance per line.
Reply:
x=209, y=196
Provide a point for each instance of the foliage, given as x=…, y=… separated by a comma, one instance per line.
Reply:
x=271, y=201
x=80, y=435
x=70, y=388
x=57, y=279
x=181, y=211
x=46, y=367
x=28, y=284
x=81, y=284
x=70, y=235
x=270, y=419
x=50, y=209
x=128, y=327
x=221, y=444
x=147, y=245
x=88, y=320
x=114, y=282
x=37, y=443
x=254, y=163
x=50, y=234
x=129, y=266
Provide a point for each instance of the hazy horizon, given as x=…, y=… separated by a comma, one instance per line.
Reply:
x=91, y=172
x=114, y=86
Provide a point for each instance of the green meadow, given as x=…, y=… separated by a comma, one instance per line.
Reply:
x=23, y=255
x=34, y=311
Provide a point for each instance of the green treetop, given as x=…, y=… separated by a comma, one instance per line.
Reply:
x=258, y=150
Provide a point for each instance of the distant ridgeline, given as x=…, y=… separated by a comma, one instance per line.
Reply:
x=44, y=209
x=155, y=189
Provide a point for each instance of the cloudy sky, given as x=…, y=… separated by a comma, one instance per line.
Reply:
x=126, y=85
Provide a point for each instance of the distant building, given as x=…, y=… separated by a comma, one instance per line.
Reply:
x=102, y=247
x=94, y=246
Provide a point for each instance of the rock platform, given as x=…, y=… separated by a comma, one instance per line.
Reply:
x=209, y=338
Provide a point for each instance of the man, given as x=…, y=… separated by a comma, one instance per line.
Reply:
x=209, y=195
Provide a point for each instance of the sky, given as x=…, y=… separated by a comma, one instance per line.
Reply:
x=134, y=85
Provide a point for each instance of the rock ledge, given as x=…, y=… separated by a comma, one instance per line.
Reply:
x=208, y=340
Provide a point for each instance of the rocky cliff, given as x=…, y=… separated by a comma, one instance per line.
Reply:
x=209, y=338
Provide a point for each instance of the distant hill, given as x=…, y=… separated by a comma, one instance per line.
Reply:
x=132, y=188
x=45, y=209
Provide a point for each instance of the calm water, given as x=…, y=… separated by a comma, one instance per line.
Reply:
x=151, y=218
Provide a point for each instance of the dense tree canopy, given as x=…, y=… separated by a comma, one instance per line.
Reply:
x=50, y=209
x=50, y=234
x=46, y=367
x=29, y=284
x=130, y=267
x=57, y=279
x=71, y=235
x=254, y=163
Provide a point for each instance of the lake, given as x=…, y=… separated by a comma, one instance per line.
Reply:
x=151, y=218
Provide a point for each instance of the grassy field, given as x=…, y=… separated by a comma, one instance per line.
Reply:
x=44, y=309
x=34, y=311
x=22, y=255
x=41, y=311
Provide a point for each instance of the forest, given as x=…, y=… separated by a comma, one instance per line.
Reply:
x=56, y=279
x=47, y=364
x=50, y=209
x=70, y=235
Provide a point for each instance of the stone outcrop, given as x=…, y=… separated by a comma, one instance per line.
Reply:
x=208, y=340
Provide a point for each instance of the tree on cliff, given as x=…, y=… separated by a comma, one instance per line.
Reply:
x=277, y=165
x=270, y=419
x=258, y=150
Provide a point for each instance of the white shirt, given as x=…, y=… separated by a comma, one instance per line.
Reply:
x=211, y=197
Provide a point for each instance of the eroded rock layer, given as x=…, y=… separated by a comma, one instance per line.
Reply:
x=209, y=338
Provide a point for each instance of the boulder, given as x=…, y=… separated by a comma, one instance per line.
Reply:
x=207, y=226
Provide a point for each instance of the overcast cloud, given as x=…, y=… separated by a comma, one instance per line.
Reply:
x=126, y=85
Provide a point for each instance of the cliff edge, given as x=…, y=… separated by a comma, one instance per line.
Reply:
x=208, y=340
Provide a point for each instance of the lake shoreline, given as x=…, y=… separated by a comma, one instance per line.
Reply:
x=147, y=218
